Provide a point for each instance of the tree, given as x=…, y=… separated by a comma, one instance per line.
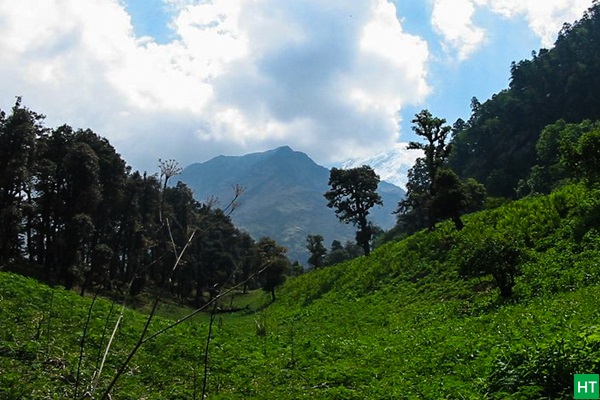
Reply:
x=436, y=149
x=434, y=191
x=419, y=209
x=564, y=151
x=277, y=265
x=587, y=158
x=314, y=244
x=353, y=193
x=496, y=256
x=412, y=212
x=18, y=134
x=449, y=198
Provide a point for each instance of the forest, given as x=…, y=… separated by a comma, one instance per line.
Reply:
x=74, y=213
x=486, y=288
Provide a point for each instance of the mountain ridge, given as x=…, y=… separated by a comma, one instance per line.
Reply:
x=283, y=196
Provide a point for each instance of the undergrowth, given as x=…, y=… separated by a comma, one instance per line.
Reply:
x=402, y=323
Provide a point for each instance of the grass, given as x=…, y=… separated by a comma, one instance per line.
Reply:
x=399, y=324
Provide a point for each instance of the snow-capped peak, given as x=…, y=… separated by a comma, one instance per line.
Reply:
x=391, y=165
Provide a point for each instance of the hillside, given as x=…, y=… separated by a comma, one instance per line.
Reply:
x=403, y=323
x=283, y=198
x=497, y=144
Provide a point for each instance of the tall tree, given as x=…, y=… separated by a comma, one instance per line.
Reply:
x=314, y=244
x=18, y=134
x=277, y=265
x=412, y=211
x=353, y=193
x=436, y=149
x=434, y=191
x=416, y=209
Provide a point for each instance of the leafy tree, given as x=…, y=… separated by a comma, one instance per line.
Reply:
x=415, y=211
x=492, y=255
x=412, y=212
x=353, y=193
x=436, y=149
x=434, y=192
x=81, y=198
x=587, y=156
x=314, y=244
x=296, y=269
x=277, y=265
x=336, y=245
x=449, y=199
x=475, y=196
x=338, y=253
x=564, y=151
x=18, y=133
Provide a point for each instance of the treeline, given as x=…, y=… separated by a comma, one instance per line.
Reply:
x=528, y=139
x=497, y=144
x=73, y=210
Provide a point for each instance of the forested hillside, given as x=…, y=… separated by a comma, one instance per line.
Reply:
x=74, y=213
x=497, y=144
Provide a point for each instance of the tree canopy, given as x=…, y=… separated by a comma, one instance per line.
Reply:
x=74, y=210
x=434, y=191
x=353, y=193
x=497, y=145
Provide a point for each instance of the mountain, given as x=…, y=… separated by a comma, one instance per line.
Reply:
x=391, y=165
x=283, y=197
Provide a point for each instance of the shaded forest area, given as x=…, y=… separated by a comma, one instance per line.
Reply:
x=75, y=214
x=497, y=144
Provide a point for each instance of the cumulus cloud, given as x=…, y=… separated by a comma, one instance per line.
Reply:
x=327, y=78
x=544, y=19
x=453, y=20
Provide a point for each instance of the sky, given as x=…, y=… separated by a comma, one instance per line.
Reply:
x=192, y=79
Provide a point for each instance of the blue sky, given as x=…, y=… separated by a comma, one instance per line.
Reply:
x=192, y=79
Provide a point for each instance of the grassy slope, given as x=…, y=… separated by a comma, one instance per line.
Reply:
x=400, y=324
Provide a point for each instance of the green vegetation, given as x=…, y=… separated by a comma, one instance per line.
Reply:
x=497, y=144
x=501, y=303
x=434, y=191
x=402, y=323
x=77, y=215
x=352, y=195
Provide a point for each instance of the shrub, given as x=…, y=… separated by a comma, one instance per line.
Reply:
x=494, y=256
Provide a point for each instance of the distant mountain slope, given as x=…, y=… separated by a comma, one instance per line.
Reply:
x=283, y=198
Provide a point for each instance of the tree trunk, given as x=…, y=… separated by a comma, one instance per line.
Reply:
x=458, y=223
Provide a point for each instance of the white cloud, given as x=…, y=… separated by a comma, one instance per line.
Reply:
x=544, y=18
x=453, y=20
x=239, y=75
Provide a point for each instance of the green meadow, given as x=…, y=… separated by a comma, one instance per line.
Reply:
x=405, y=322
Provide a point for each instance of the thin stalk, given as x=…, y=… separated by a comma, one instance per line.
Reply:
x=107, y=350
x=49, y=320
x=143, y=339
x=82, y=345
x=112, y=307
x=204, y=307
x=212, y=319
x=139, y=343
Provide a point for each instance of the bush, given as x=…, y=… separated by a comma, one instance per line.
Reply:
x=493, y=255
